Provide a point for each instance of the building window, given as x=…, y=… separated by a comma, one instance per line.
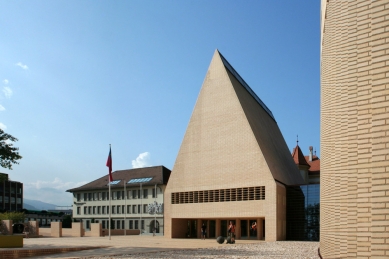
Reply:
x=78, y=196
x=78, y=210
x=144, y=208
x=134, y=194
x=222, y=195
x=136, y=224
x=133, y=209
x=131, y=224
x=145, y=193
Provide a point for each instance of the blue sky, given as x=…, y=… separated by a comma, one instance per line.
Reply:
x=77, y=76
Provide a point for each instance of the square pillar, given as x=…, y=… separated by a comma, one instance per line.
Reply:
x=7, y=225
x=238, y=230
x=198, y=230
x=56, y=229
x=34, y=228
x=260, y=229
x=218, y=228
x=96, y=230
x=76, y=229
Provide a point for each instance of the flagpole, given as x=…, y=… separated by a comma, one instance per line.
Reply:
x=141, y=208
x=109, y=208
x=110, y=179
x=125, y=207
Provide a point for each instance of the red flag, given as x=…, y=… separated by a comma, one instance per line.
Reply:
x=109, y=165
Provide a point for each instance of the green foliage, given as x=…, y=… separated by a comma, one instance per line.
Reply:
x=3, y=177
x=16, y=217
x=8, y=153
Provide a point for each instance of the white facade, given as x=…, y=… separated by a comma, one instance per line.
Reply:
x=137, y=207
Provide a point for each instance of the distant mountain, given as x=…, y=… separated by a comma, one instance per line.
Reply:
x=39, y=205
x=28, y=206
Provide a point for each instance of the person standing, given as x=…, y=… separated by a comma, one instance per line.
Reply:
x=203, y=231
x=231, y=232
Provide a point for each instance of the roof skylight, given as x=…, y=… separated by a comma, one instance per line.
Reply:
x=115, y=182
x=140, y=180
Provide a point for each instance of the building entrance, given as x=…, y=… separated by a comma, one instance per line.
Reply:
x=192, y=229
x=248, y=229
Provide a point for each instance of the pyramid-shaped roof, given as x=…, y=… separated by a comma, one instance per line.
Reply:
x=299, y=157
x=231, y=135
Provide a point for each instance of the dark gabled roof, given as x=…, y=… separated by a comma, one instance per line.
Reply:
x=159, y=175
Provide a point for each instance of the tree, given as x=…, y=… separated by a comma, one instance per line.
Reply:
x=8, y=153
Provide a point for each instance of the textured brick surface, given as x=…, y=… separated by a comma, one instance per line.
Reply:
x=56, y=229
x=354, y=129
x=230, y=142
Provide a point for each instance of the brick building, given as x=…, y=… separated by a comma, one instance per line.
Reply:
x=354, y=129
x=233, y=164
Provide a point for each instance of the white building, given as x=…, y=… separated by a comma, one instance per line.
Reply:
x=136, y=200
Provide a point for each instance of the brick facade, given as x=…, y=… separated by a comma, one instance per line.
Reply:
x=354, y=129
x=232, y=143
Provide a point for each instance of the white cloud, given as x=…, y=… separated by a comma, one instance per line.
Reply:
x=2, y=126
x=53, y=192
x=57, y=183
x=141, y=161
x=20, y=64
x=2, y=108
x=7, y=91
x=5, y=81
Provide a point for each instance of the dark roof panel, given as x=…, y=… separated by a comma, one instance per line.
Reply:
x=159, y=175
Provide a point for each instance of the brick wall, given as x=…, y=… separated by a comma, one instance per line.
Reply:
x=355, y=129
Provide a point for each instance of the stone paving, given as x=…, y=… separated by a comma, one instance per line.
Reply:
x=147, y=246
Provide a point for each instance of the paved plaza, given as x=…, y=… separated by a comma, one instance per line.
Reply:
x=147, y=246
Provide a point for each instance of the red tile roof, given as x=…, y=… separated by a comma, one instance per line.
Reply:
x=298, y=157
x=315, y=164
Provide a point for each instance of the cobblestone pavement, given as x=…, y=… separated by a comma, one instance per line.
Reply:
x=284, y=249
